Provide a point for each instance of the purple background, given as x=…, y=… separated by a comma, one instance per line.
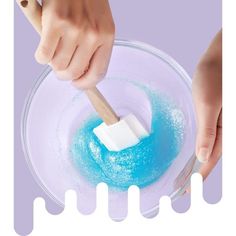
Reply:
x=182, y=28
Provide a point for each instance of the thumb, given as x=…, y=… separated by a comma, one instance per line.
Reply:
x=207, y=130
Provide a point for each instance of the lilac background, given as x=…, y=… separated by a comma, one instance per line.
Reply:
x=181, y=28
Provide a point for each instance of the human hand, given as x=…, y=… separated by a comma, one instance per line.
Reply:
x=77, y=39
x=207, y=94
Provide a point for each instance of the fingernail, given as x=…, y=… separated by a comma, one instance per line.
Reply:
x=203, y=155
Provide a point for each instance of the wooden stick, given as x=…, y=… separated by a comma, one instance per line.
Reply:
x=33, y=12
x=102, y=106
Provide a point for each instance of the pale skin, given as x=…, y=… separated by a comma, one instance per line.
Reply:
x=207, y=94
x=77, y=38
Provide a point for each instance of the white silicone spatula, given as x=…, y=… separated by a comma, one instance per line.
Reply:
x=115, y=133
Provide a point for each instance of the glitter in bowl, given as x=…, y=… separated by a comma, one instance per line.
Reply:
x=142, y=164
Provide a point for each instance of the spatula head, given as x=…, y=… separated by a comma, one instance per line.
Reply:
x=121, y=135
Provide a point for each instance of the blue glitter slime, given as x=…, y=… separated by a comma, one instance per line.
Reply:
x=142, y=164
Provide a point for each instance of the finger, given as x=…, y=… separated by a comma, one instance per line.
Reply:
x=216, y=153
x=97, y=68
x=79, y=63
x=49, y=40
x=64, y=52
x=207, y=129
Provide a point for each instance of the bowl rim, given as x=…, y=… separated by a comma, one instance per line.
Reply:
x=28, y=100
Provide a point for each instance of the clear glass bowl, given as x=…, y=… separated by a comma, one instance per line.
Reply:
x=54, y=110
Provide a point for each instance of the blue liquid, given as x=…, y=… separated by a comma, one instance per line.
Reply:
x=139, y=165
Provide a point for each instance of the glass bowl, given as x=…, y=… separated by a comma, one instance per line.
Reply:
x=55, y=109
